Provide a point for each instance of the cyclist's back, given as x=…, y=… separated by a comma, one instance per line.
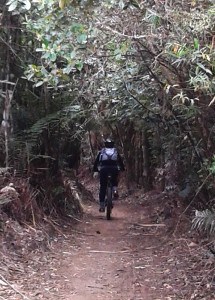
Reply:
x=108, y=161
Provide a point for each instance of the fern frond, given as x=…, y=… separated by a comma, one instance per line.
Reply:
x=204, y=221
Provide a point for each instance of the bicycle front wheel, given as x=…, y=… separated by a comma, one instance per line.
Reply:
x=109, y=202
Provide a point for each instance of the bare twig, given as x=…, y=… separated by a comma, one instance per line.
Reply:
x=54, y=226
x=8, y=82
x=149, y=225
x=109, y=252
x=17, y=291
x=81, y=232
x=11, y=49
x=76, y=219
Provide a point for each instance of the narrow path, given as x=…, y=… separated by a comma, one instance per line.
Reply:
x=130, y=257
x=111, y=259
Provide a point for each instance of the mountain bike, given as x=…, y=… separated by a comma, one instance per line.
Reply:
x=109, y=197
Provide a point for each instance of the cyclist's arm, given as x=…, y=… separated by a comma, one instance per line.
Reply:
x=120, y=162
x=96, y=163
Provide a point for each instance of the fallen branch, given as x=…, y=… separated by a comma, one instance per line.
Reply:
x=10, y=285
x=72, y=217
x=95, y=287
x=54, y=226
x=109, y=252
x=149, y=225
x=81, y=232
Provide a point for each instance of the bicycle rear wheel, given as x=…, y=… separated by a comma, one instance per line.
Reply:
x=109, y=202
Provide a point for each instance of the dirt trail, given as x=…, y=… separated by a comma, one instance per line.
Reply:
x=135, y=256
x=107, y=263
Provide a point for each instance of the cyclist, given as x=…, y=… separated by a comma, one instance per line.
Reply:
x=108, y=161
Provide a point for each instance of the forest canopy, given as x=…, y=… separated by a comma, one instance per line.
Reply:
x=140, y=71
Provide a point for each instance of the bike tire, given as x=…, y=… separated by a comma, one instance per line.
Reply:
x=109, y=203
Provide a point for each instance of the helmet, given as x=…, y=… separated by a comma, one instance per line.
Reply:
x=109, y=143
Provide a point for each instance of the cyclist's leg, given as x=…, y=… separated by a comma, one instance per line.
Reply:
x=103, y=187
x=115, y=174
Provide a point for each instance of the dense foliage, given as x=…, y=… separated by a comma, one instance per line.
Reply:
x=142, y=71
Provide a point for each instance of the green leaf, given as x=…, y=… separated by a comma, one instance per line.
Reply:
x=39, y=49
x=76, y=27
x=204, y=68
x=46, y=55
x=75, y=107
x=53, y=56
x=39, y=83
x=27, y=4
x=68, y=69
x=82, y=38
x=121, y=4
x=45, y=43
x=134, y=3
x=72, y=54
x=196, y=43
x=79, y=65
x=182, y=51
x=13, y=5
x=9, y=2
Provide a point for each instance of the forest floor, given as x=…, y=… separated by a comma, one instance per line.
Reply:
x=145, y=252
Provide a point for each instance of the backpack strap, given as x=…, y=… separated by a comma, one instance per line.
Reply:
x=103, y=151
x=101, y=154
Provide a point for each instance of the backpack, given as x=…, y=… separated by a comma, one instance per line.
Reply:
x=108, y=154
